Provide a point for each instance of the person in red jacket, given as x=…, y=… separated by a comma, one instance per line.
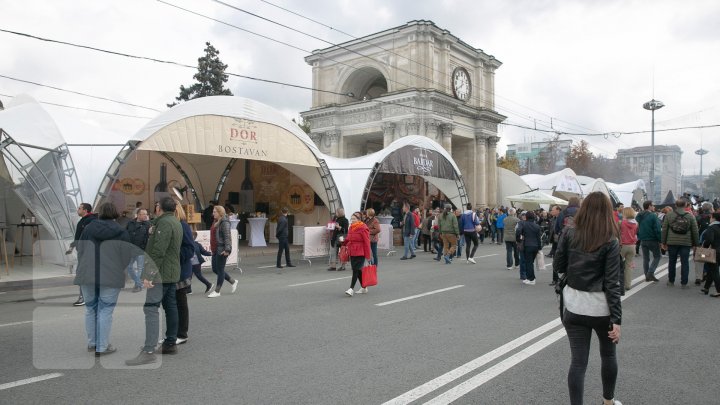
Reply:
x=358, y=243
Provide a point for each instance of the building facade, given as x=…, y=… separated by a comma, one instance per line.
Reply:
x=668, y=167
x=531, y=154
x=415, y=79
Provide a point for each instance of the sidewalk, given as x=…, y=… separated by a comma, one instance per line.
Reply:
x=27, y=276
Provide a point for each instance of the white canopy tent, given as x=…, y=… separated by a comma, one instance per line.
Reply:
x=563, y=184
x=509, y=183
x=411, y=155
x=629, y=192
x=534, y=199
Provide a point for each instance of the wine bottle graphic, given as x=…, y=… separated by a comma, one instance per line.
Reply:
x=161, y=188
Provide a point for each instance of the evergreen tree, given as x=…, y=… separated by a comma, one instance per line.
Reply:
x=210, y=78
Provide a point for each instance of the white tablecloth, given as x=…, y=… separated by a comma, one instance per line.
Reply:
x=256, y=238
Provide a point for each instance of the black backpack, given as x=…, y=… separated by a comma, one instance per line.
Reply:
x=680, y=225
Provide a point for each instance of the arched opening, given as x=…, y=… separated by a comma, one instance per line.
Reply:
x=365, y=84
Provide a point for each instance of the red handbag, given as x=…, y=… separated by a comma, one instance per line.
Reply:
x=344, y=254
x=369, y=276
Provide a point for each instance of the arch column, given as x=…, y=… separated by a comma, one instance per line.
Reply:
x=446, y=136
x=491, y=165
x=481, y=186
x=332, y=142
x=388, y=133
x=412, y=127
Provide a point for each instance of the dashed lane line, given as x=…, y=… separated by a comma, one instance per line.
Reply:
x=15, y=323
x=29, y=381
x=316, y=282
x=412, y=297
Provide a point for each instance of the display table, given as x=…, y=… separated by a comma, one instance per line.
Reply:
x=272, y=232
x=233, y=224
x=385, y=220
x=256, y=238
x=34, y=233
x=298, y=235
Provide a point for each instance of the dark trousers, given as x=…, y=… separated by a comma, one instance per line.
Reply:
x=426, y=243
x=511, y=252
x=160, y=294
x=218, y=267
x=500, y=235
x=283, y=245
x=712, y=275
x=373, y=250
x=183, y=312
x=530, y=253
x=684, y=252
x=197, y=271
x=356, y=262
x=470, y=237
x=650, y=246
x=579, y=331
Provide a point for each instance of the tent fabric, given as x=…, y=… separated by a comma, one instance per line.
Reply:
x=509, y=183
x=563, y=183
x=627, y=192
x=430, y=160
x=536, y=197
x=589, y=185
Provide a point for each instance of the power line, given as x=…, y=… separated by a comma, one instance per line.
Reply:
x=84, y=109
x=77, y=92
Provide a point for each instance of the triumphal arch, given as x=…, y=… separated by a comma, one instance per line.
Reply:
x=415, y=79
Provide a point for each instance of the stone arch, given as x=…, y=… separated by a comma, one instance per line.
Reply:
x=364, y=82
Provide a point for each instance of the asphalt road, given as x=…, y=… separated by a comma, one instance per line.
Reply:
x=472, y=334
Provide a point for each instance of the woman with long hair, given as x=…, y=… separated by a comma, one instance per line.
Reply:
x=358, y=243
x=628, y=239
x=588, y=254
x=221, y=247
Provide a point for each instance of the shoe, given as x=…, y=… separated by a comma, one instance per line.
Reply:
x=109, y=350
x=471, y=260
x=279, y=267
x=447, y=260
x=437, y=259
x=291, y=265
x=412, y=256
x=698, y=281
x=403, y=258
x=91, y=349
x=169, y=349
x=362, y=291
x=349, y=292
x=528, y=282
x=615, y=402
x=670, y=284
x=553, y=284
x=189, y=292
x=549, y=255
x=136, y=289
x=653, y=279
x=715, y=294
x=213, y=294
x=332, y=269
x=342, y=268
x=142, y=358
x=627, y=288
x=704, y=291
x=80, y=302
x=509, y=268
x=684, y=286
x=234, y=286
x=208, y=288
x=180, y=341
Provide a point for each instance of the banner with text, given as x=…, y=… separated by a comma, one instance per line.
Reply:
x=317, y=242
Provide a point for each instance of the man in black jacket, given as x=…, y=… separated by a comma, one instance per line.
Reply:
x=282, y=235
x=84, y=211
x=138, y=229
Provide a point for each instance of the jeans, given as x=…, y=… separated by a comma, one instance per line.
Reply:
x=471, y=237
x=135, y=274
x=99, y=306
x=523, y=272
x=373, y=250
x=579, y=331
x=218, y=267
x=161, y=293
x=511, y=252
x=407, y=241
x=500, y=235
x=438, y=243
x=650, y=246
x=530, y=253
x=684, y=252
x=460, y=244
x=415, y=239
x=283, y=245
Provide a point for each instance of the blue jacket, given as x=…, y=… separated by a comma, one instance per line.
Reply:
x=499, y=223
x=187, y=250
x=200, y=252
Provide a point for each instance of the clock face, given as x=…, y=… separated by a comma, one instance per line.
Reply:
x=461, y=84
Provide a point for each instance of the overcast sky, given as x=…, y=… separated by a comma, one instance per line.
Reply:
x=589, y=65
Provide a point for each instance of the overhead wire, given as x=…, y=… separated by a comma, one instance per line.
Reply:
x=84, y=109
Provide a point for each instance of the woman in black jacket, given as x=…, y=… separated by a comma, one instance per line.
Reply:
x=104, y=251
x=711, y=239
x=221, y=247
x=589, y=255
x=529, y=234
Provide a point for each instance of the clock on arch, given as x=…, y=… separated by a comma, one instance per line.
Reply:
x=461, y=84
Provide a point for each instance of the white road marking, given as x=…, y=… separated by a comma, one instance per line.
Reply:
x=480, y=257
x=29, y=380
x=315, y=282
x=382, y=304
x=462, y=389
x=266, y=267
x=15, y=323
x=4, y=292
x=487, y=375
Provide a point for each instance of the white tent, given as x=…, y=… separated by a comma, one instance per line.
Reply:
x=509, y=183
x=535, y=198
x=411, y=155
x=629, y=192
x=562, y=184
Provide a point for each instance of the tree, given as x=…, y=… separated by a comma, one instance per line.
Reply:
x=579, y=158
x=611, y=170
x=510, y=163
x=712, y=184
x=210, y=78
x=304, y=125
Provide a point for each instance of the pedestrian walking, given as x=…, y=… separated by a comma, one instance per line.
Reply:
x=197, y=260
x=628, y=238
x=649, y=234
x=183, y=287
x=529, y=236
x=373, y=225
x=138, y=230
x=469, y=221
x=221, y=247
x=358, y=243
x=679, y=236
x=282, y=235
x=711, y=239
x=588, y=254
x=449, y=231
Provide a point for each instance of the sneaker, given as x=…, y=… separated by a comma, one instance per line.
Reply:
x=342, y=268
x=614, y=402
x=332, y=269
x=362, y=291
x=109, y=350
x=528, y=282
x=509, y=268
x=471, y=260
x=698, y=281
x=180, y=341
x=136, y=289
x=169, y=349
x=349, y=292
x=234, y=286
x=412, y=256
x=403, y=258
x=291, y=265
x=208, y=288
x=437, y=259
x=213, y=294
x=80, y=302
x=142, y=358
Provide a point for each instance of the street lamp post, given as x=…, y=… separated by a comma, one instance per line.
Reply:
x=701, y=152
x=653, y=105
